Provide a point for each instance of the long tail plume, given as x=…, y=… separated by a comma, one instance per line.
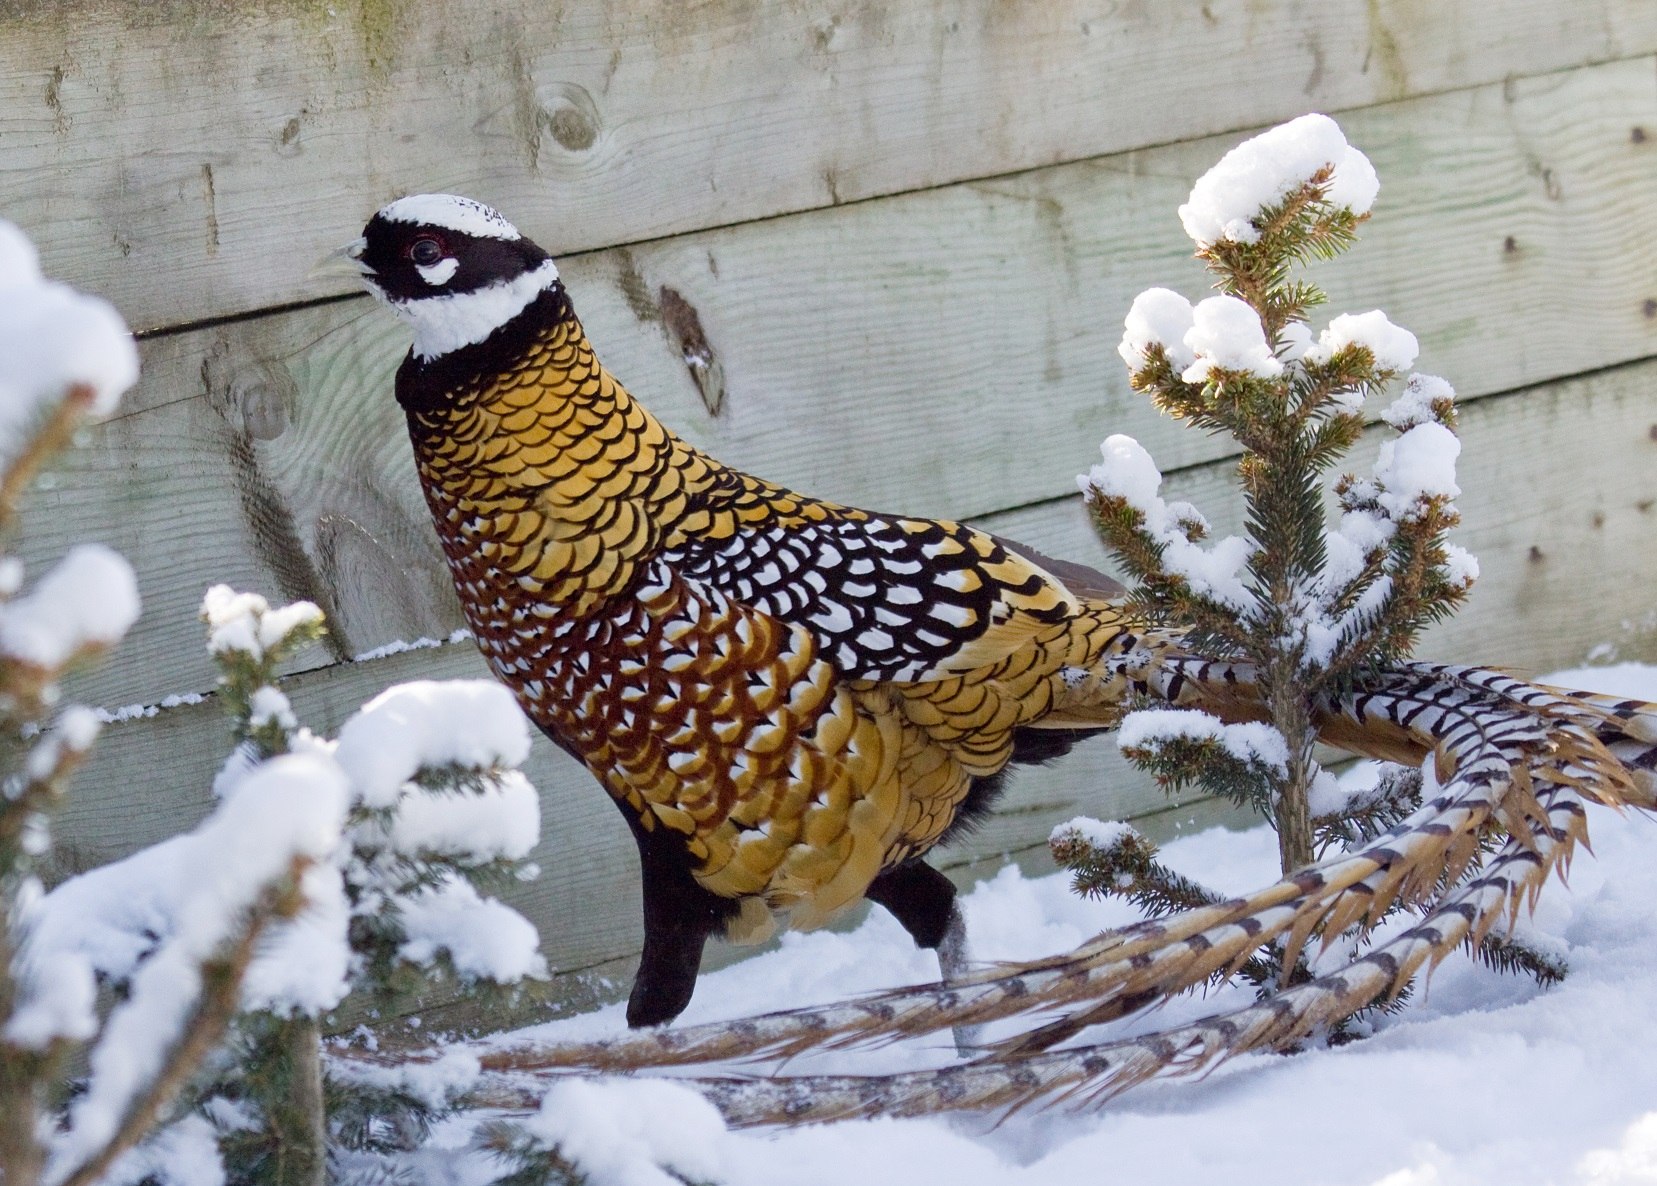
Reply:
x=1509, y=755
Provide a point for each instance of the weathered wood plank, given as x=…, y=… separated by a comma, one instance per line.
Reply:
x=191, y=159
x=949, y=352
x=1569, y=471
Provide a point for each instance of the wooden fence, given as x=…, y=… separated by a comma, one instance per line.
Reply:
x=908, y=232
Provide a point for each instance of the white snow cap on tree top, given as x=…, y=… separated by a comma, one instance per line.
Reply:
x=53, y=338
x=246, y=622
x=1263, y=171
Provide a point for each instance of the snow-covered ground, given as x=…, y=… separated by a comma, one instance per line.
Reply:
x=1484, y=1079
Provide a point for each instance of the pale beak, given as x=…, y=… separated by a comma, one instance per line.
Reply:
x=342, y=262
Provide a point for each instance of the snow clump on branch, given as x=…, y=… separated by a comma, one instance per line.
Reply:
x=1127, y=472
x=1220, y=333
x=424, y=723
x=245, y=621
x=54, y=341
x=1159, y=317
x=1250, y=742
x=86, y=602
x=1226, y=335
x=1393, y=348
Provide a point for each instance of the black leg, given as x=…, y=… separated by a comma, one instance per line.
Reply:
x=667, y=970
x=919, y=897
x=923, y=900
x=679, y=915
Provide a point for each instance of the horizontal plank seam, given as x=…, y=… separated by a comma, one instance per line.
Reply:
x=161, y=331
x=1485, y=397
x=187, y=327
x=966, y=860
x=126, y=714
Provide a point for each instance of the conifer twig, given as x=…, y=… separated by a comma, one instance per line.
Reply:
x=51, y=439
x=218, y=1003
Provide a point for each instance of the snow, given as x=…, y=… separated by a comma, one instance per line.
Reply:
x=19, y=261
x=1226, y=335
x=121, y=919
x=502, y=821
x=1416, y=403
x=472, y=723
x=304, y=963
x=1247, y=742
x=1101, y=835
x=1482, y=1079
x=634, y=1133
x=434, y=1083
x=79, y=727
x=133, y=712
x=1127, y=472
x=1393, y=347
x=76, y=730
x=1460, y=565
x=1347, y=548
x=1158, y=317
x=183, y=1154
x=485, y=939
x=1331, y=793
x=246, y=622
x=1296, y=337
x=400, y=646
x=53, y=338
x=87, y=600
x=1262, y=171
x=268, y=706
x=57, y=994
x=1420, y=464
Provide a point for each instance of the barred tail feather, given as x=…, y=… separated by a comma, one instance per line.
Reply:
x=1021, y=1072
x=1015, y=1074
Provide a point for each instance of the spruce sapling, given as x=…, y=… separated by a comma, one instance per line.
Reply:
x=1305, y=605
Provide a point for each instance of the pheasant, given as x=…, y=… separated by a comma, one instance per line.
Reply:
x=794, y=701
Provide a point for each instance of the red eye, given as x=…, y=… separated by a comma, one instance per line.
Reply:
x=425, y=251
